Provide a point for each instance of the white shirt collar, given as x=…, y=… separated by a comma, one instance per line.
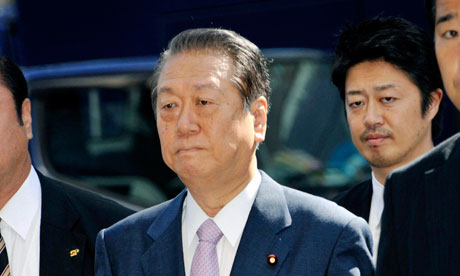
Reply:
x=231, y=220
x=375, y=215
x=28, y=200
x=377, y=198
x=377, y=187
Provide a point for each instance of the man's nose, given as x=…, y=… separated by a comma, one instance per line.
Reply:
x=373, y=116
x=187, y=123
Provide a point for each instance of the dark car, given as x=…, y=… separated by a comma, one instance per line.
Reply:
x=94, y=127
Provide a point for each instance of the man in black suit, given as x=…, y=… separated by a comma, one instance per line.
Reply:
x=421, y=220
x=391, y=106
x=46, y=227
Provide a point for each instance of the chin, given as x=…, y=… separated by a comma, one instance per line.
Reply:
x=382, y=162
x=188, y=171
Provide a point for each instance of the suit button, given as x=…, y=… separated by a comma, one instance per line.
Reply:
x=272, y=259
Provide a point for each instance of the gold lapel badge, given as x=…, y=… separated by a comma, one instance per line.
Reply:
x=74, y=252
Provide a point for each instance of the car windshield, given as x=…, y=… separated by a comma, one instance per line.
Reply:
x=100, y=132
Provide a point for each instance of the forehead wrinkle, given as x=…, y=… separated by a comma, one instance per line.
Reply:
x=164, y=89
x=383, y=87
x=207, y=85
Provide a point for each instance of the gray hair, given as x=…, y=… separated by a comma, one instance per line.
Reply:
x=250, y=74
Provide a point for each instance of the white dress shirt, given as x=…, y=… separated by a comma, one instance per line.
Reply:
x=231, y=221
x=20, y=227
x=375, y=214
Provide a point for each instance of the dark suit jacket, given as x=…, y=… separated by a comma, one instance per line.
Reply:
x=308, y=234
x=421, y=219
x=70, y=220
x=357, y=199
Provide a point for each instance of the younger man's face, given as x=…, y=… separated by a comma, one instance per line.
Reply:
x=447, y=42
x=384, y=114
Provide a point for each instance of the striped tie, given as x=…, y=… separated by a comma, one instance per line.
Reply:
x=4, y=265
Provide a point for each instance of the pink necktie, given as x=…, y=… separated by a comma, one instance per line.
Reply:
x=204, y=261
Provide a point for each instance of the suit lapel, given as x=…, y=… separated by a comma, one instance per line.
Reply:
x=58, y=244
x=364, y=205
x=269, y=216
x=164, y=256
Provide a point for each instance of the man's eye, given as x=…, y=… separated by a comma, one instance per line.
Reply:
x=169, y=106
x=388, y=99
x=355, y=104
x=450, y=34
x=203, y=102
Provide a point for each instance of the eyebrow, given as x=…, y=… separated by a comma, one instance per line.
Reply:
x=202, y=86
x=353, y=92
x=377, y=88
x=164, y=90
x=385, y=86
x=445, y=18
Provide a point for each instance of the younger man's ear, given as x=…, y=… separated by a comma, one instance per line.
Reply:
x=436, y=97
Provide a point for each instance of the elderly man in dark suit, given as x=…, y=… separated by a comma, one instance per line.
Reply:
x=47, y=227
x=421, y=220
x=391, y=105
x=210, y=96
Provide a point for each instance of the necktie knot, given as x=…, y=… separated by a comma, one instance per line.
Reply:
x=209, y=232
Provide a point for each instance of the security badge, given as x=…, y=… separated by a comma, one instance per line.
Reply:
x=74, y=252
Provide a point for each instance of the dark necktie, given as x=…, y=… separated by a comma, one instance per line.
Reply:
x=4, y=265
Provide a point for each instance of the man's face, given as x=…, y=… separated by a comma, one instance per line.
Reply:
x=13, y=137
x=384, y=114
x=205, y=133
x=447, y=42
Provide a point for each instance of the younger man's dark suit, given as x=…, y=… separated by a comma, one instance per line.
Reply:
x=357, y=199
x=70, y=221
x=421, y=220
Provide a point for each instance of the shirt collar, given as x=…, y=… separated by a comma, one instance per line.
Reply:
x=231, y=220
x=26, y=201
x=377, y=198
x=377, y=187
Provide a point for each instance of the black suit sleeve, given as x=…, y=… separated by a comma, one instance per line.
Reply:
x=387, y=261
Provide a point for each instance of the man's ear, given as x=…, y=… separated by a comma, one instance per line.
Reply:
x=436, y=97
x=259, y=110
x=27, y=118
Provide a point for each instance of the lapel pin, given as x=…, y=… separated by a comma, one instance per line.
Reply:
x=74, y=252
x=272, y=259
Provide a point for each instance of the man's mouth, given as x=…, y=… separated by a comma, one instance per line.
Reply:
x=375, y=139
x=188, y=150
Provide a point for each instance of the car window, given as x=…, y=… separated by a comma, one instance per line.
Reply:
x=102, y=134
x=308, y=145
x=104, y=137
